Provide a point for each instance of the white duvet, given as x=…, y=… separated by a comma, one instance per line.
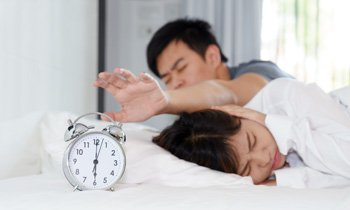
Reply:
x=31, y=176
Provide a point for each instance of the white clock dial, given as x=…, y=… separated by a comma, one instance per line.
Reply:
x=95, y=161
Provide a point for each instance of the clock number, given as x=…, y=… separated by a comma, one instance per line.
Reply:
x=113, y=152
x=115, y=162
x=96, y=141
x=94, y=183
x=80, y=151
x=112, y=173
x=105, y=180
x=84, y=177
x=77, y=171
x=106, y=144
x=86, y=144
x=74, y=160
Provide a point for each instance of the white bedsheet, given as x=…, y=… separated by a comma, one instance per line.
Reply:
x=31, y=176
x=51, y=191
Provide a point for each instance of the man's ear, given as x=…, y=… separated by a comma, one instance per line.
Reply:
x=212, y=55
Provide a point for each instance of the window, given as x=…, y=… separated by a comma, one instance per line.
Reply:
x=310, y=39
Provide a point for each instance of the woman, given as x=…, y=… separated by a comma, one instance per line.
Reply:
x=289, y=134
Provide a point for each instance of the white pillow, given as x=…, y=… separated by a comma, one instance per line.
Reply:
x=149, y=163
x=20, y=146
x=52, y=129
x=146, y=162
x=342, y=96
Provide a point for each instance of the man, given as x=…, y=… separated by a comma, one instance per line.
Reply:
x=186, y=56
x=184, y=52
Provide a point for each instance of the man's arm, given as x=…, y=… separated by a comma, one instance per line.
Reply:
x=246, y=86
x=214, y=93
x=141, y=97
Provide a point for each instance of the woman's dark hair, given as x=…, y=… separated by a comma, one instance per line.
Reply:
x=203, y=137
x=195, y=33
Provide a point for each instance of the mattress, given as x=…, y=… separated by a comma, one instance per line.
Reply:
x=31, y=176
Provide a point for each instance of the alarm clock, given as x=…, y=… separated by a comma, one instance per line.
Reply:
x=94, y=160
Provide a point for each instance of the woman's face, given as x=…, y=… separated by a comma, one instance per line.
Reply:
x=257, y=152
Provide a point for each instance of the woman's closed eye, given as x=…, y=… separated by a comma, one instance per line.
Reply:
x=251, y=138
x=246, y=170
x=251, y=142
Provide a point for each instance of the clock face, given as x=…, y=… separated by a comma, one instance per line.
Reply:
x=95, y=161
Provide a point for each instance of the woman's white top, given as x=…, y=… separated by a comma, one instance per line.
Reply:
x=311, y=128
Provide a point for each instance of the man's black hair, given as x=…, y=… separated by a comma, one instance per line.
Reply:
x=195, y=33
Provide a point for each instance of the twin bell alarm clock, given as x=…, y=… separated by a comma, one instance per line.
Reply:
x=95, y=159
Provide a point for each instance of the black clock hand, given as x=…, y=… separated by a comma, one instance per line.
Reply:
x=94, y=170
x=95, y=160
x=95, y=166
x=99, y=150
x=96, y=149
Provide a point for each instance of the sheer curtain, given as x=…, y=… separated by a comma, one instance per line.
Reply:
x=236, y=23
x=48, y=56
x=310, y=39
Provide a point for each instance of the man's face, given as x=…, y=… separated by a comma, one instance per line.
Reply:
x=179, y=66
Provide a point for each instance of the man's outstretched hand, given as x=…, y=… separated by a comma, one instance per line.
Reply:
x=140, y=97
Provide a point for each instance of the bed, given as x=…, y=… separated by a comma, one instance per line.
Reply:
x=31, y=177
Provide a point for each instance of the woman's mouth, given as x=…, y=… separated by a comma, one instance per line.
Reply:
x=276, y=160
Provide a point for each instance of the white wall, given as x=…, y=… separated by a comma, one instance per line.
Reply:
x=48, y=56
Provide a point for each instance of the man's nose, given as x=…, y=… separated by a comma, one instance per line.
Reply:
x=178, y=82
x=178, y=85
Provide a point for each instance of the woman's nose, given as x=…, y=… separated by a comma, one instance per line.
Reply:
x=262, y=159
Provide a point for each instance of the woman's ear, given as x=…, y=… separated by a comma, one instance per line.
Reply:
x=213, y=56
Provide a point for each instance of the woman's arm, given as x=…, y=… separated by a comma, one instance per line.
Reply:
x=243, y=112
x=306, y=177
